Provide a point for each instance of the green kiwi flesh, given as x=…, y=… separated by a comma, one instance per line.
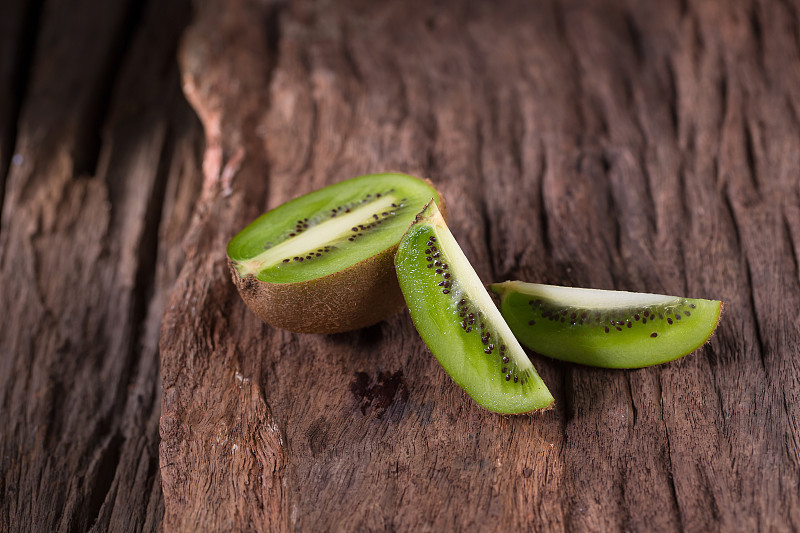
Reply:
x=324, y=262
x=460, y=323
x=611, y=329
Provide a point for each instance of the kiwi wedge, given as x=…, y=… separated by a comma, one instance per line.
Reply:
x=460, y=323
x=324, y=262
x=611, y=329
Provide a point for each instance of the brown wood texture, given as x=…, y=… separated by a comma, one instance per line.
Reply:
x=648, y=146
x=98, y=197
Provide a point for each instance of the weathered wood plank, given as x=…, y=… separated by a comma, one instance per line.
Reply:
x=90, y=244
x=614, y=144
x=647, y=147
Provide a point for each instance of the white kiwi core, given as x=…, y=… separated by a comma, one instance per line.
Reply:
x=589, y=299
x=470, y=285
x=331, y=230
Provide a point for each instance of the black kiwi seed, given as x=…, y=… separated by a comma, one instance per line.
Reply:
x=654, y=334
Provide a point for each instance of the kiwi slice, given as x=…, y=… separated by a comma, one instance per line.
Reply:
x=611, y=329
x=460, y=323
x=324, y=262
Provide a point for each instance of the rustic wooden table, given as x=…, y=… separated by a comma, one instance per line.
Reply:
x=650, y=146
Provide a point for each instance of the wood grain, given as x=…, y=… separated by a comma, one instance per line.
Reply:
x=98, y=198
x=647, y=146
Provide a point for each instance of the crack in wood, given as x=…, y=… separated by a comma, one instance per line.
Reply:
x=16, y=83
x=89, y=143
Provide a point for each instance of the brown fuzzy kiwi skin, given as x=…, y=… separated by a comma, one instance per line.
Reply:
x=353, y=298
x=356, y=297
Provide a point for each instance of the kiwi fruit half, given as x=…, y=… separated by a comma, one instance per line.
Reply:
x=460, y=323
x=611, y=329
x=324, y=262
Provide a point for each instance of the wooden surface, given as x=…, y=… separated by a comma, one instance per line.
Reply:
x=649, y=146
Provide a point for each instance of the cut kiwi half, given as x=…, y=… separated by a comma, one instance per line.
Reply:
x=460, y=323
x=324, y=262
x=611, y=329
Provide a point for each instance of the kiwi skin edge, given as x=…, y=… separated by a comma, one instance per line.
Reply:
x=320, y=305
x=358, y=296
